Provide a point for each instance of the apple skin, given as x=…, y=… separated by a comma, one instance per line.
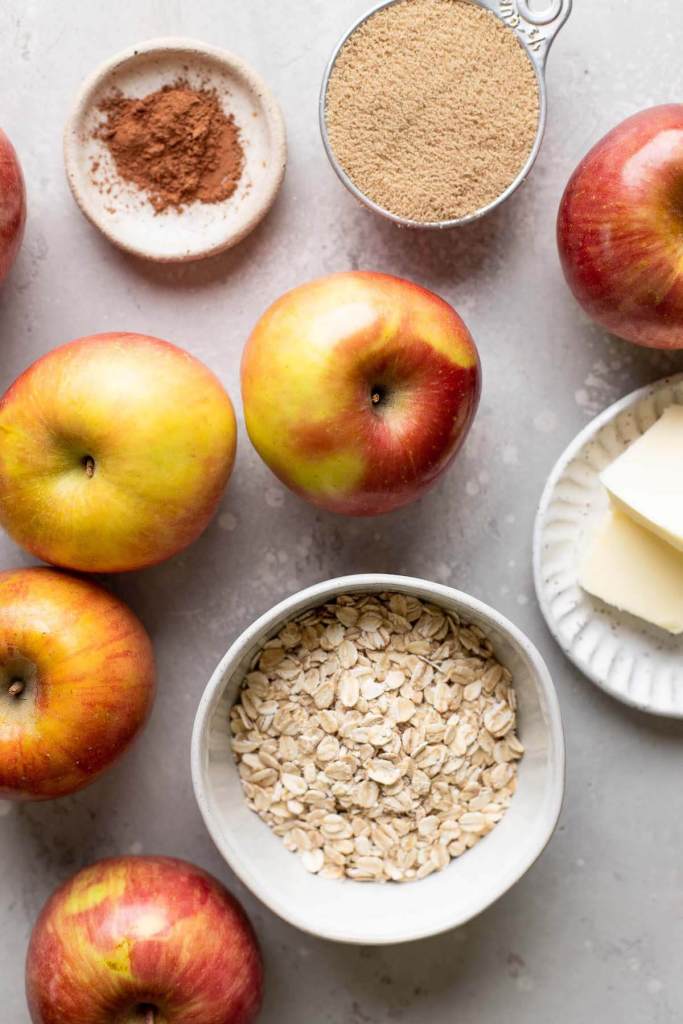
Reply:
x=12, y=205
x=311, y=368
x=87, y=668
x=620, y=229
x=130, y=935
x=160, y=430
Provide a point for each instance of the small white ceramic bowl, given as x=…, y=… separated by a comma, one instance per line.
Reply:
x=374, y=913
x=124, y=214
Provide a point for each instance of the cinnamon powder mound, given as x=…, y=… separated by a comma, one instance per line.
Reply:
x=176, y=144
x=432, y=108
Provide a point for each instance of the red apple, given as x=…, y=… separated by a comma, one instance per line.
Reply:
x=143, y=940
x=76, y=682
x=359, y=389
x=114, y=453
x=620, y=229
x=12, y=205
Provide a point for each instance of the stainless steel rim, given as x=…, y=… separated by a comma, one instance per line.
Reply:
x=527, y=27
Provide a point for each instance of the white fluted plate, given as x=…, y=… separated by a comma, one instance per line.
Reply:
x=638, y=664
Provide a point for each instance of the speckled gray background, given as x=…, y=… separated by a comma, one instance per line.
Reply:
x=595, y=930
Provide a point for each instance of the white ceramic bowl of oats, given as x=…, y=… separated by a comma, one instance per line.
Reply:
x=381, y=740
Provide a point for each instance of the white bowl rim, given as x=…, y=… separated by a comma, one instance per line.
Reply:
x=321, y=592
x=232, y=62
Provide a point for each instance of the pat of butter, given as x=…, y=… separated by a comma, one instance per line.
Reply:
x=632, y=569
x=646, y=481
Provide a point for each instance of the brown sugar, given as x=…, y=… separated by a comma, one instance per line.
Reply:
x=432, y=108
x=176, y=144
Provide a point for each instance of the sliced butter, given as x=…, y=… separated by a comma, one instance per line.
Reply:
x=646, y=481
x=632, y=569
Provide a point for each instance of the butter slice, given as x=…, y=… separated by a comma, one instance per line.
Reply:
x=646, y=482
x=632, y=569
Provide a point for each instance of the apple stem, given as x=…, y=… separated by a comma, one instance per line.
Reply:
x=376, y=398
x=89, y=464
x=150, y=1015
x=16, y=688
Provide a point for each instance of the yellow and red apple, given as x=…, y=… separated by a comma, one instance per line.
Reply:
x=359, y=389
x=620, y=229
x=114, y=452
x=76, y=682
x=143, y=940
x=12, y=205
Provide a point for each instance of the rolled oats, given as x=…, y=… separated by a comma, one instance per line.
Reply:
x=376, y=736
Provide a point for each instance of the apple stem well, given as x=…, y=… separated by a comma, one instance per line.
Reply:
x=146, y=1013
x=377, y=395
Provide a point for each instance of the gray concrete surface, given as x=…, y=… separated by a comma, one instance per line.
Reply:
x=595, y=930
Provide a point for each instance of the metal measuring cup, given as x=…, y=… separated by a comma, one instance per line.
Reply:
x=536, y=31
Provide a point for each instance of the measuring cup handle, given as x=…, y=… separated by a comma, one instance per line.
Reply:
x=536, y=28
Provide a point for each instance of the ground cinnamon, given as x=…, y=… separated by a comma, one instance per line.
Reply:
x=177, y=144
